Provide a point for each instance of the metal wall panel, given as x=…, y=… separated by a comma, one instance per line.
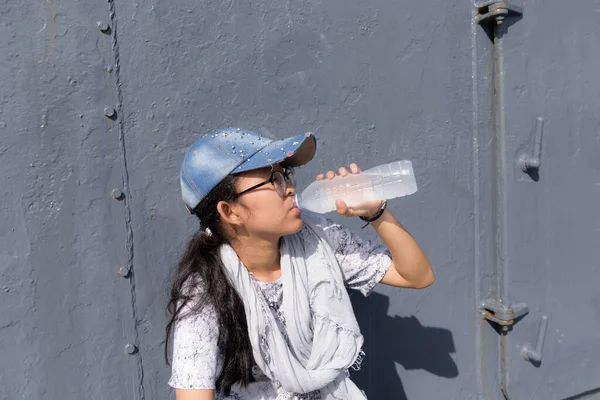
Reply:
x=377, y=81
x=538, y=226
x=65, y=313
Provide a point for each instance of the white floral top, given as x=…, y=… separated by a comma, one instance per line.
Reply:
x=198, y=349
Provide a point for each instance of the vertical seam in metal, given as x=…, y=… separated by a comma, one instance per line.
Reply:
x=127, y=192
x=476, y=211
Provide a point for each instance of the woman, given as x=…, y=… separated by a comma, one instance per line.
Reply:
x=258, y=306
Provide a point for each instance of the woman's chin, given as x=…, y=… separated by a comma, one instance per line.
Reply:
x=296, y=226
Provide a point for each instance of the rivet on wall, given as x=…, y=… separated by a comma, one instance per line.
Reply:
x=130, y=348
x=109, y=112
x=116, y=194
x=124, y=271
x=103, y=26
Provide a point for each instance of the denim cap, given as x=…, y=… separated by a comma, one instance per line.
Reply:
x=233, y=150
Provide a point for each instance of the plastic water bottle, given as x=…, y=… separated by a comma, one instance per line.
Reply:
x=384, y=182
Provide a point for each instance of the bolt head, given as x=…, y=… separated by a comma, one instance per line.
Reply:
x=130, y=348
x=103, y=26
x=116, y=194
x=109, y=112
x=123, y=271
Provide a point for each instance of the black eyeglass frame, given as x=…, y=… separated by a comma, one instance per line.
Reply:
x=288, y=175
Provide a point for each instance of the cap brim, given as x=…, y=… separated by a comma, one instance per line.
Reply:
x=294, y=151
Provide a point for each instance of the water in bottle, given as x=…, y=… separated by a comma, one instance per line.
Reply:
x=384, y=182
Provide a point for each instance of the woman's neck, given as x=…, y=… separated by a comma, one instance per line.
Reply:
x=261, y=257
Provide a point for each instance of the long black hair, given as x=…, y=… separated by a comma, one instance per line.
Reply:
x=201, y=264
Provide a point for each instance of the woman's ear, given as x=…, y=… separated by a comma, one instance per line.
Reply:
x=229, y=213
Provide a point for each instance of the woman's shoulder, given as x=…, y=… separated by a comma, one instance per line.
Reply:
x=193, y=287
x=195, y=299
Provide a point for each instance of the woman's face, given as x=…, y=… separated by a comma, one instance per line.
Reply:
x=265, y=212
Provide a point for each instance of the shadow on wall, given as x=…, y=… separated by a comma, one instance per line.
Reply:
x=402, y=340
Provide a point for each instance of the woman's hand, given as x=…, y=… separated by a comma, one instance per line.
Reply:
x=365, y=209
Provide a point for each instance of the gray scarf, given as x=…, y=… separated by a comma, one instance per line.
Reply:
x=325, y=339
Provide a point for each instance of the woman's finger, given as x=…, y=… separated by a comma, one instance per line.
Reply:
x=342, y=171
x=349, y=211
x=367, y=208
x=330, y=175
x=354, y=168
x=320, y=177
x=341, y=207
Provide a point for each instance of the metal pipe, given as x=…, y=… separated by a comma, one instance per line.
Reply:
x=501, y=232
x=501, y=164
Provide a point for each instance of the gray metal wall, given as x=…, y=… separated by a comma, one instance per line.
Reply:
x=377, y=81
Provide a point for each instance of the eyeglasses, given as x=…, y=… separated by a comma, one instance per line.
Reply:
x=278, y=179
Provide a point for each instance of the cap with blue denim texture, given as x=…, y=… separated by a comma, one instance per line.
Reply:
x=233, y=150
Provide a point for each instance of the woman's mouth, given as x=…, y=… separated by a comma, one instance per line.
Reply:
x=295, y=208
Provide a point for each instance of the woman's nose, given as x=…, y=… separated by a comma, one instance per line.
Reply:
x=290, y=187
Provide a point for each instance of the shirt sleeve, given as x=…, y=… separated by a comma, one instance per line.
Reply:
x=196, y=362
x=363, y=262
